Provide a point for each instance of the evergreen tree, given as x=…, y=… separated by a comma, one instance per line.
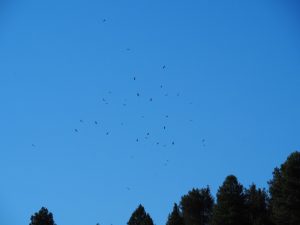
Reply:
x=257, y=206
x=140, y=217
x=43, y=217
x=285, y=192
x=175, y=218
x=230, y=208
x=197, y=207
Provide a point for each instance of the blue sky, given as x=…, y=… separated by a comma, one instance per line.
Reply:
x=231, y=77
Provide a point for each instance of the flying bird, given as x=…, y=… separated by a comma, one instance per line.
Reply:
x=96, y=122
x=76, y=130
x=203, y=142
x=164, y=66
x=138, y=94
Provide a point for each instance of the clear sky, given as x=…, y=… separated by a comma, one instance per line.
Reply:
x=230, y=76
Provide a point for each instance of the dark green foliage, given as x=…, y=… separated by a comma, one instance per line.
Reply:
x=175, y=218
x=140, y=217
x=197, y=207
x=257, y=206
x=230, y=208
x=43, y=217
x=285, y=192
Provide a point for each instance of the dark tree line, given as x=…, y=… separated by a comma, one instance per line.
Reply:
x=234, y=204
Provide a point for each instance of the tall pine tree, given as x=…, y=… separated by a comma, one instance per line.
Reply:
x=175, y=218
x=140, y=217
x=43, y=217
x=257, y=206
x=197, y=207
x=284, y=191
x=230, y=208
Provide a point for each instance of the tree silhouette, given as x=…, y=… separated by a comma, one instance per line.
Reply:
x=230, y=207
x=140, y=217
x=197, y=207
x=175, y=218
x=43, y=217
x=284, y=191
x=257, y=206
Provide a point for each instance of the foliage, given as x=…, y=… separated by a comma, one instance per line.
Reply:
x=43, y=217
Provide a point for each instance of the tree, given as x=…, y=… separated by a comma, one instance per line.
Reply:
x=257, y=206
x=197, y=207
x=175, y=218
x=230, y=208
x=140, y=217
x=43, y=217
x=284, y=191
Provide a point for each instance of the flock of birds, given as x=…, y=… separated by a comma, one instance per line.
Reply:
x=124, y=104
x=147, y=134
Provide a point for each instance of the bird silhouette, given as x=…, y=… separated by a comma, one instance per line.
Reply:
x=138, y=94
x=203, y=142
x=96, y=122
x=164, y=66
x=76, y=130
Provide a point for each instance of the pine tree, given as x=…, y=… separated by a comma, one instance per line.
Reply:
x=140, y=217
x=284, y=191
x=175, y=218
x=230, y=208
x=197, y=207
x=43, y=217
x=257, y=206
